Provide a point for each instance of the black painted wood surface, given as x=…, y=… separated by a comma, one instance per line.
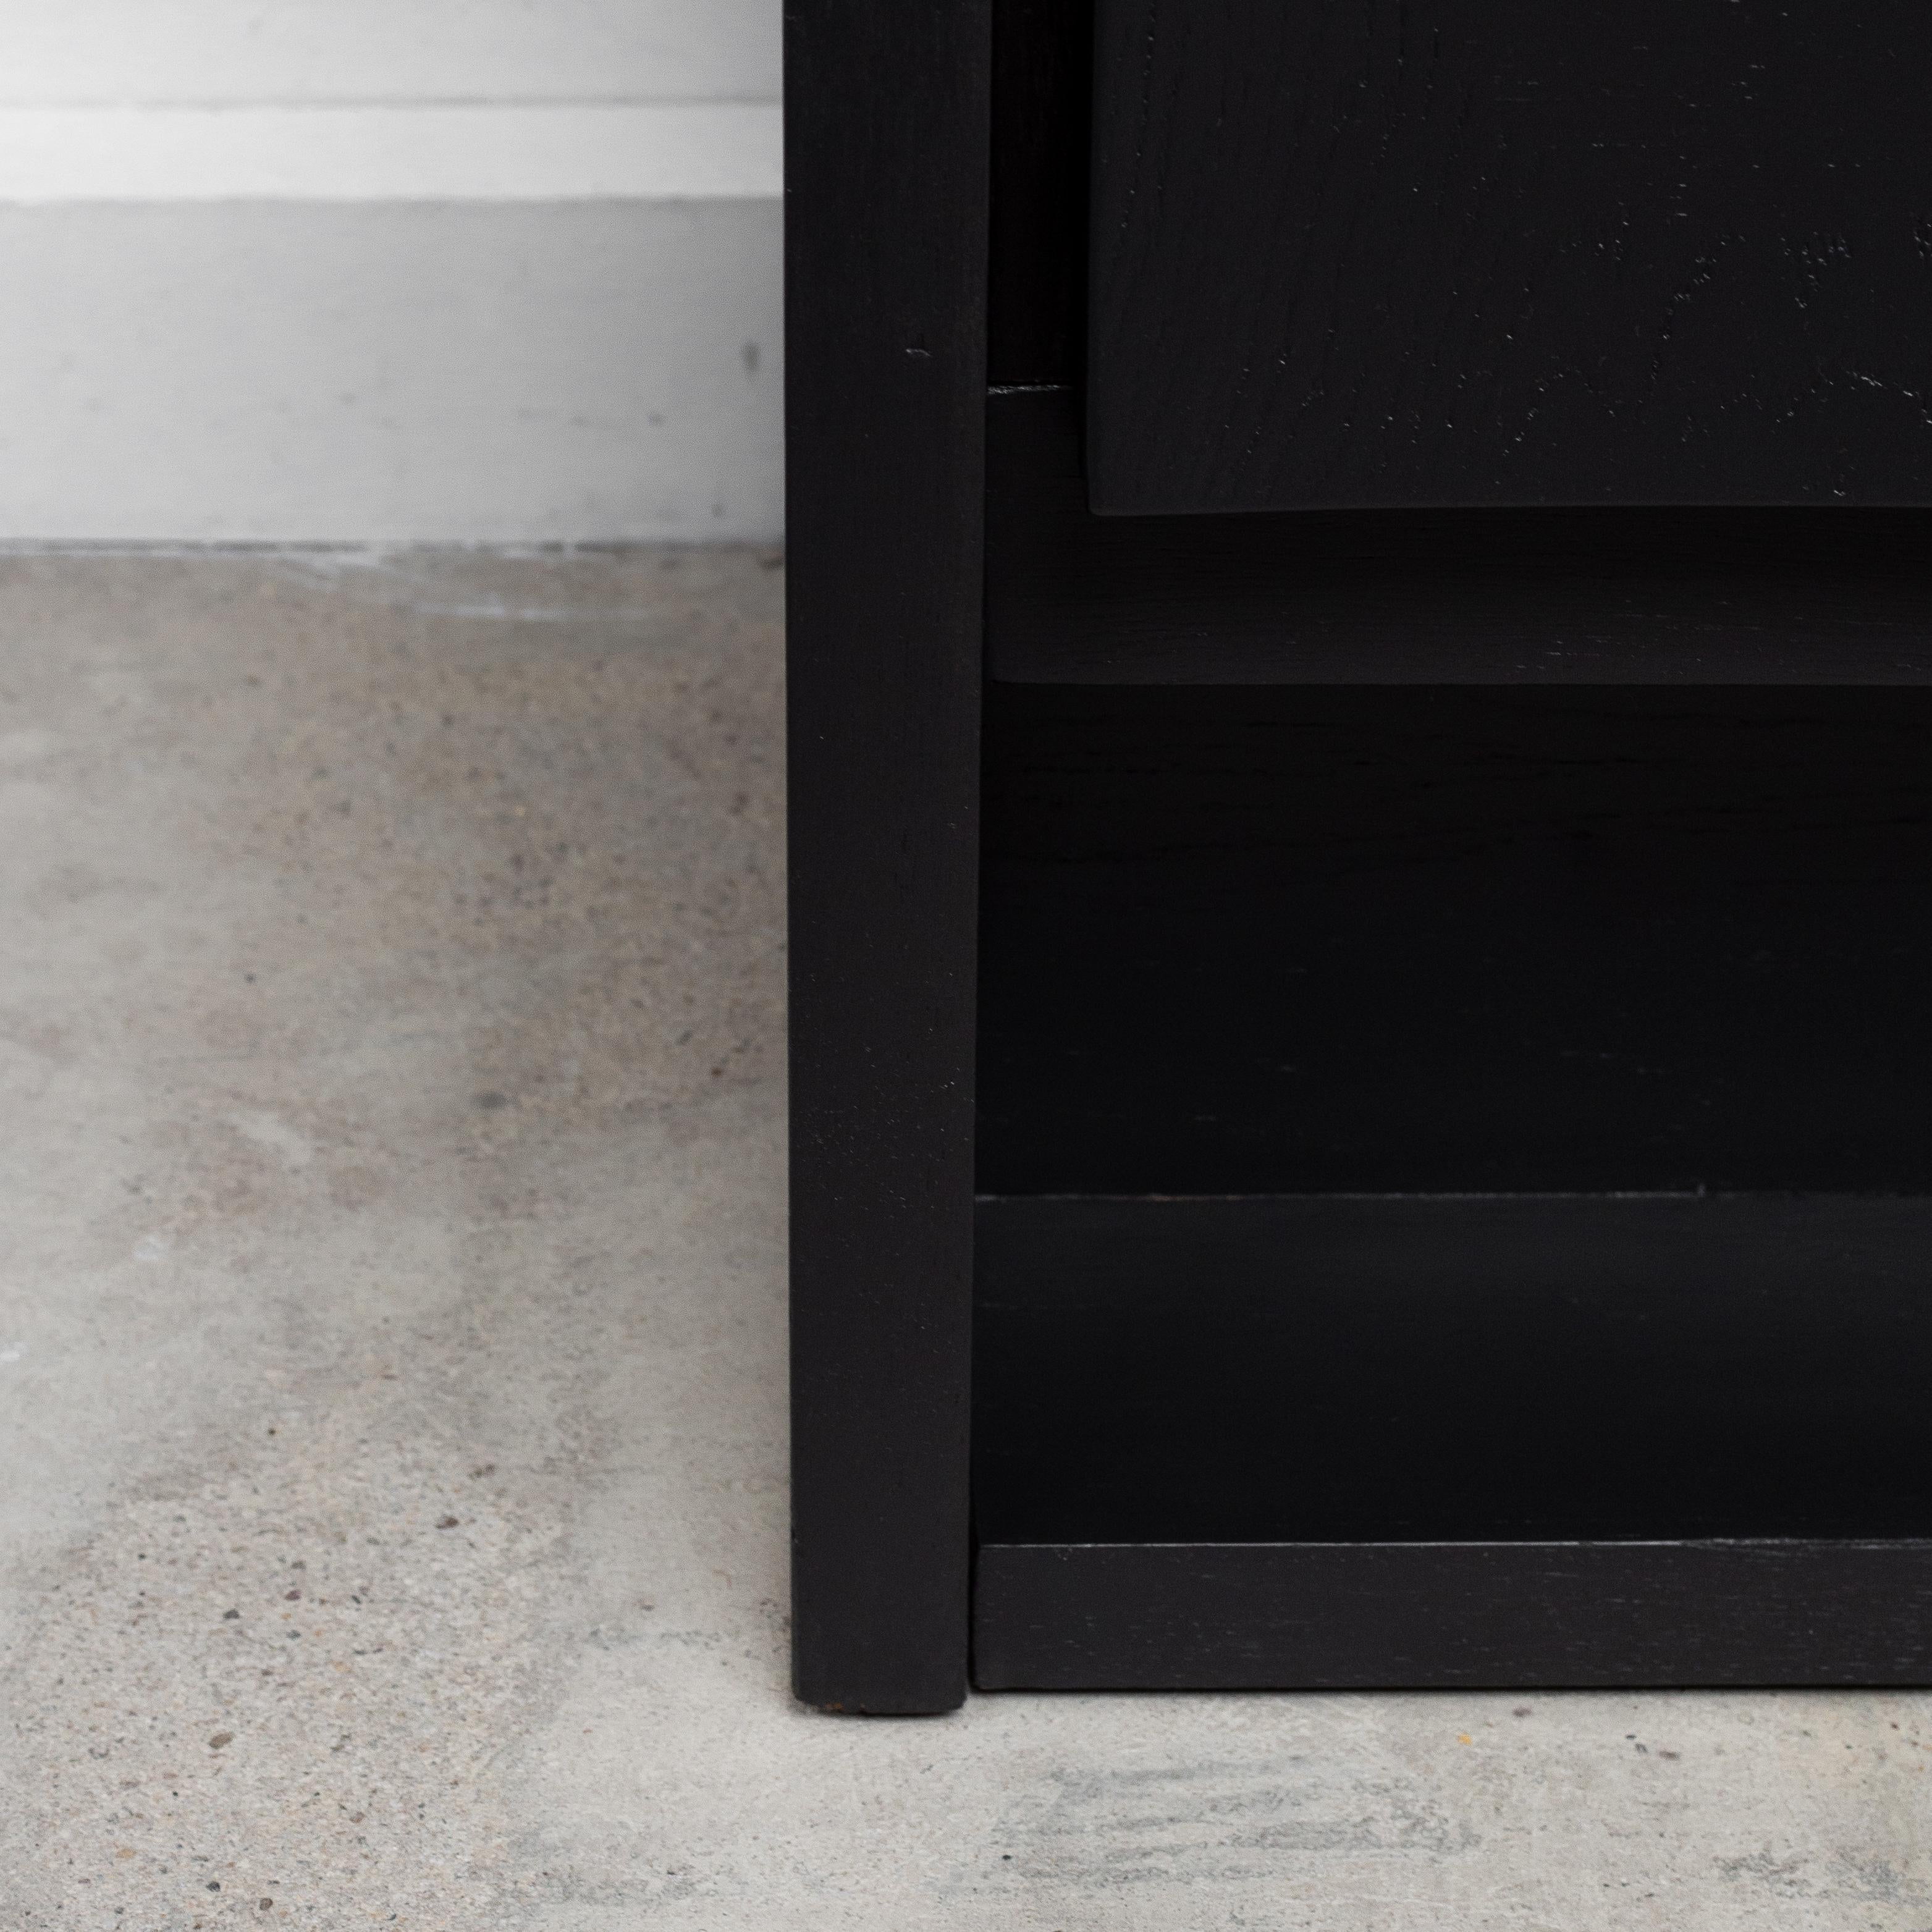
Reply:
x=1363, y=252
x=1504, y=1616
x=1590, y=596
x=1310, y=1441
x=1358, y=938
x=1463, y=939
x=887, y=113
x=1470, y=1369
x=1036, y=270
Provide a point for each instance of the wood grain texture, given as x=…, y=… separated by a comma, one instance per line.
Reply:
x=1406, y=939
x=1313, y=1441
x=1591, y=596
x=887, y=119
x=1365, y=253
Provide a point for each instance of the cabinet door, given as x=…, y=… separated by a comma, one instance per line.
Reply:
x=1400, y=252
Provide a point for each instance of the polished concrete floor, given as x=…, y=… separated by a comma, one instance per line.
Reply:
x=392, y=1529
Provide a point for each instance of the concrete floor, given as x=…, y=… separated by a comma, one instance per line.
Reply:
x=390, y=1357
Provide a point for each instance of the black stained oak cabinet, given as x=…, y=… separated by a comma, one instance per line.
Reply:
x=1361, y=843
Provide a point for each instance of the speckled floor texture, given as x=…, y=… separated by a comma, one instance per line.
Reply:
x=392, y=1358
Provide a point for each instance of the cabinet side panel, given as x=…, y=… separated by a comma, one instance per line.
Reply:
x=887, y=163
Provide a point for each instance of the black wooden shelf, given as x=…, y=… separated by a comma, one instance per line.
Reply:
x=1456, y=1204
x=1363, y=1616
x=1477, y=939
x=1309, y=1441
x=1467, y=596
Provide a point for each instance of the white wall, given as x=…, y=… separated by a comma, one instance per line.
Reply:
x=437, y=270
x=52, y=51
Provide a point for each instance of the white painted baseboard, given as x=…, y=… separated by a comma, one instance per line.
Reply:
x=474, y=371
x=390, y=322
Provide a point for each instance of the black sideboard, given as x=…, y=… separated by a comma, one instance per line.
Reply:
x=1361, y=808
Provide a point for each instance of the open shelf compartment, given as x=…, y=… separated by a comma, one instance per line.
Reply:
x=1456, y=1188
